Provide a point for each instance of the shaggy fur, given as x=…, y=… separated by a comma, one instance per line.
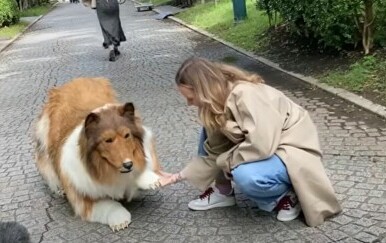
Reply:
x=95, y=150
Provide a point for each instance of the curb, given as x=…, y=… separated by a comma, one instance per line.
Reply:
x=342, y=93
x=11, y=41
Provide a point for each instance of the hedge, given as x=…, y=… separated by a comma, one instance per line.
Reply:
x=9, y=12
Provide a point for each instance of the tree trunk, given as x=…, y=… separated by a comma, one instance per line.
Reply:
x=368, y=26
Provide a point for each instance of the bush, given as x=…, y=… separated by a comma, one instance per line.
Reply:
x=9, y=12
x=328, y=22
x=332, y=23
x=380, y=23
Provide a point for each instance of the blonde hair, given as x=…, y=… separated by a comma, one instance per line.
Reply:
x=212, y=83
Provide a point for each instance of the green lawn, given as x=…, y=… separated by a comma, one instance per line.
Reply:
x=158, y=2
x=218, y=19
x=13, y=30
x=367, y=76
x=155, y=2
x=36, y=11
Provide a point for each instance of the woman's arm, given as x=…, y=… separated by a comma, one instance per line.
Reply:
x=200, y=172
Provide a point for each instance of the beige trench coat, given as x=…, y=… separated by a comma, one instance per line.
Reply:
x=262, y=121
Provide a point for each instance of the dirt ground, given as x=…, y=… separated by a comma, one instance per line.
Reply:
x=310, y=61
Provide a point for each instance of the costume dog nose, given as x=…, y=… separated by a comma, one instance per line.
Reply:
x=128, y=165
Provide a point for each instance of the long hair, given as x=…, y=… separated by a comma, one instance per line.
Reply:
x=212, y=83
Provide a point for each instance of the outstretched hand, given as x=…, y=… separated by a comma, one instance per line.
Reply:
x=168, y=178
x=164, y=174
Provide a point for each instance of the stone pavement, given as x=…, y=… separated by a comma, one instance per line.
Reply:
x=67, y=43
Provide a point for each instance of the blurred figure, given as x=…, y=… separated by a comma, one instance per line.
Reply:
x=13, y=232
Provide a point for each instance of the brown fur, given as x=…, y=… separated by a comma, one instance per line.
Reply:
x=110, y=136
x=156, y=164
x=114, y=128
x=83, y=203
x=67, y=109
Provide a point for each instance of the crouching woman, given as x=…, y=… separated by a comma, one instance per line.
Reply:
x=256, y=137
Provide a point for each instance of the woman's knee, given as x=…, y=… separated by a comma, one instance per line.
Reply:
x=260, y=187
x=245, y=183
x=259, y=178
x=251, y=183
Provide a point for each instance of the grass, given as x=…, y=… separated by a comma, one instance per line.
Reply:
x=13, y=30
x=9, y=32
x=155, y=2
x=36, y=11
x=368, y=75
x=218, y=19
x=159, y=2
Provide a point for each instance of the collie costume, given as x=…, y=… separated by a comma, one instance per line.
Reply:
x=95, y=150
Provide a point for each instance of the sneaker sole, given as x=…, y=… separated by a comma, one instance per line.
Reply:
x=216, y=205
x=289, y=218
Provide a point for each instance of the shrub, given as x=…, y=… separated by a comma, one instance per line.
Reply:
x=380, y=23
x=332, y=23
x=9, y=12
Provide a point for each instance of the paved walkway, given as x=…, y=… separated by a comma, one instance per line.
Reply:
x=67, y=43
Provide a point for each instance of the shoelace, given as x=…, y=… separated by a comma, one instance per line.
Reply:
x=285, y=203
x=207, y=193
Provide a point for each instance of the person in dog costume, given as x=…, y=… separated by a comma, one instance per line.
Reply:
x=256, y=137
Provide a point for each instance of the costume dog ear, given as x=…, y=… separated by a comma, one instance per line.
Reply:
x=128, y=110
x=91, y=120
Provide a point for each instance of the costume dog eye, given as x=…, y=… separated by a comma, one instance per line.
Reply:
x=127, y=135
x=109, y=140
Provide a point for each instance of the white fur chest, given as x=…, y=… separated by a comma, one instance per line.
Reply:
x=74, y=169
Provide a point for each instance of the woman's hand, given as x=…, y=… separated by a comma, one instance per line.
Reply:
x=164, y=174
x=167, y=178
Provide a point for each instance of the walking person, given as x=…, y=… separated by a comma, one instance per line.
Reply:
x=109, y=20
x=256, y=137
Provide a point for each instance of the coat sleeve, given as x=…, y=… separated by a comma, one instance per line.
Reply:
x=201, y=172
x=254, y=118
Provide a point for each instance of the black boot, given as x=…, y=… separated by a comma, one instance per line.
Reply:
x=116, y=51
x=112, y=56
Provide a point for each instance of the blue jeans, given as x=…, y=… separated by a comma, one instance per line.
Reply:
x=264, y=182
x=201, y=151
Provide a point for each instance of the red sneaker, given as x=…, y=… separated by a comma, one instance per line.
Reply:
x=288, y=207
